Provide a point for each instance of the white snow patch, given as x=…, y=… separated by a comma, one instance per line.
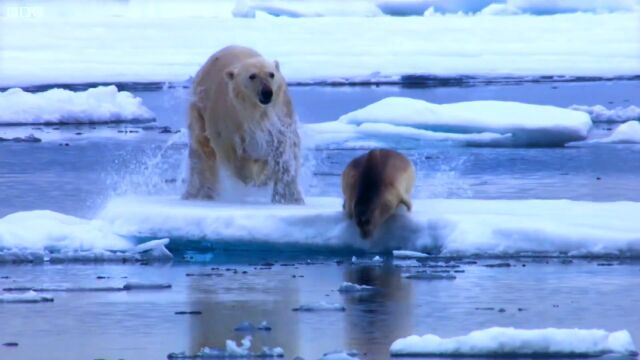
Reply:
x=42, y=235
x=103, y=104
x=571, y=44
x=627, y=133
x=526, y=124
x=602, y=114
x=319, y=306
x=348, y=287
x=408, y=254
x=444, y=226
x=28, y=297
x=498, y=341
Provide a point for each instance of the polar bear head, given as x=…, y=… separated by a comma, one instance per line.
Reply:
x=256, y=81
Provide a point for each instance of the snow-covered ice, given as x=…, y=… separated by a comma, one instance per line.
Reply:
x=480, y=122
x=627, y=133
x=407, y=254
x=569, y=44
x=348, y=287
x=498, y=341
x=435, y=226
x=319, y=306
x=42, y=235
x=602, y=114
x=27, y=297
x=103, y=104
x=308, y=8
x=546, y=7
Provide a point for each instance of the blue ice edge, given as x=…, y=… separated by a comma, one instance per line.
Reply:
x=439, y=227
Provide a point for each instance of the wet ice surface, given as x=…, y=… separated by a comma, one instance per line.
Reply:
x=529, y=294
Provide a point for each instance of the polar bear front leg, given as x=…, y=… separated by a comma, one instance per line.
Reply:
x=286, y=166
x=203, y=168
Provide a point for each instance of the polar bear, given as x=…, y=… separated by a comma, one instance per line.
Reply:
x=241, y=117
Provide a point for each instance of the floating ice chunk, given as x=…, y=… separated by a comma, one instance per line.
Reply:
x=348, y=287
x=498, y=341
x=602, y=114
x=340, y=355
x=39, y=236
x=430, y=276
x=627, y=133
x=28, y=297
x=264, y=326
x=232, y=350
x=320, y=306
x=408, y=254
x=406, y=263
x=375, y=261
x=139, y=285
x=528, y=125
x=103, y=104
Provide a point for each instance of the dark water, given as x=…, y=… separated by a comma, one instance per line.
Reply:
x=142, y=324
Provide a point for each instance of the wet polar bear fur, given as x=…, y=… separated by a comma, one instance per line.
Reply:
x=241, y=117
x=374, y=185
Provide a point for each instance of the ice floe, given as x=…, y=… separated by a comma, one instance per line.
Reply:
x=348, y=287
x=407, y=254
x=131, y=285
x=497, y=123
x=340, y=355
x=319, y=306
x=545, y=7
x=103, y=104
x=42, y=235
x=435, y=226
x=498, y=341
x=627, y=133
x=309, y=8
x=27, y=297
x=600, y=113
x=232, y=351
x=570, y=44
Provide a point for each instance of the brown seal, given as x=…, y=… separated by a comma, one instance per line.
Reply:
x=374, y=185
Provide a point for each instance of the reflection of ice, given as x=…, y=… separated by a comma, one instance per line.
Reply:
x=320, y=306
x=28, y=297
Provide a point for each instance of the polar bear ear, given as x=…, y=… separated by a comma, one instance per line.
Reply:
x=277, y=64
x=229, y=74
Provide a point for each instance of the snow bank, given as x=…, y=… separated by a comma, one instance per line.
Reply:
x=28, y=297
x=494, y=342
x=37, y=236
x=627, y=133
x=546, y=7
x=488, y=123
x=602, y=114
x=572, y=44
x=435, y=226
x=103, y=104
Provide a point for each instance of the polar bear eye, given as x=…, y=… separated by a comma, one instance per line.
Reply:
x=272, y=75
x=252, y=77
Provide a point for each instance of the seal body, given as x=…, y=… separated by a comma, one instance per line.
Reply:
x=374, y=185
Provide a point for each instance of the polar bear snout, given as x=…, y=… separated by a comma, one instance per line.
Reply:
x=266, y=94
